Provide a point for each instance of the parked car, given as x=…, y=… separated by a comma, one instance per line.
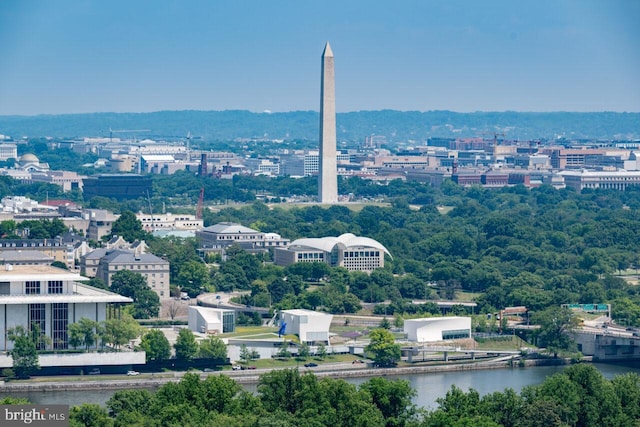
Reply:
x=133, y=373
x=94, y=371
x=310, y=365
x=251, y=367
x=236, y=367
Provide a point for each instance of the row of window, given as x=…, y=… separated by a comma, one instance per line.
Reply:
x=314, y=255
x=360, y=254
x=59, y=323
x=53, y=287
x=455, y=334
x=136, y=267
x=31, y=245
x=239, y=237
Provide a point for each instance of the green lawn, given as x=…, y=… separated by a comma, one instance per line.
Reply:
x=242, y=331
x=514, y=343
x=355, y=207
x=467, y=296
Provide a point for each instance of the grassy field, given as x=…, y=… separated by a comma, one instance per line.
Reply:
x=352, y=206
x=467, y=296
x=514, y=343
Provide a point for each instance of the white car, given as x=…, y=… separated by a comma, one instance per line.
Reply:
x=133, y=373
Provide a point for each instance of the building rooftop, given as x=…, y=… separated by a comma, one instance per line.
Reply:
x=304, y=312
x=7, y=257
x=122, y=256
x=327, y=244
x=228, y=227
x=16, y=273
x=81, y=293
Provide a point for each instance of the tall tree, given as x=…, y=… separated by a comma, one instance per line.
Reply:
x=193, y=277
x=155, y=345
x=127, y=283
x=24, y=352
x=146, y=303
x=555, y=325
x=119, y=332
x=128, y=227
x=212, y=348
x=84, y=332
x=383, y=347
x=186, y=346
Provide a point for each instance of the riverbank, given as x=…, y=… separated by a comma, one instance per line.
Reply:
x=342, y=371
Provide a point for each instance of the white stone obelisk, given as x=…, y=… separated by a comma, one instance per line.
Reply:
x=328, y=169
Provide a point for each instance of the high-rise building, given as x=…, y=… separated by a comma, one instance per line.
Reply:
x=328, y=176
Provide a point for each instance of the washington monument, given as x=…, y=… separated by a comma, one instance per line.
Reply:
x=328, y=170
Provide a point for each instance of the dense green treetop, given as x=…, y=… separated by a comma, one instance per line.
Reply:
x=156, y=345
x=577, y=396
x=186, y=346
x=129, y=227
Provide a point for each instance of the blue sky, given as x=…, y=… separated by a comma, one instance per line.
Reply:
x=76, y=56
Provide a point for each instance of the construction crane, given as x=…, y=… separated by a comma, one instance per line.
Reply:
x=111, y=132
x=200, y=204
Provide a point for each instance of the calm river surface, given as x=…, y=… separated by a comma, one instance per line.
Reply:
x=429, y=386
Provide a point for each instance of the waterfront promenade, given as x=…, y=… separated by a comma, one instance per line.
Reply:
x=332, y=370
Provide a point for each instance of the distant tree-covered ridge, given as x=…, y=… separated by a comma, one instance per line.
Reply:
x=396, y=126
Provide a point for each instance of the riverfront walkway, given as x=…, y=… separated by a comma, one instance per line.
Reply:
x=332, y=370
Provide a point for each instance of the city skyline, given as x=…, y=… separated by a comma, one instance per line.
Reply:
x=90, y=56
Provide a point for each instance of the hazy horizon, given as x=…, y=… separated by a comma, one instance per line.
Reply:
x=72, y=57
x=317, y=112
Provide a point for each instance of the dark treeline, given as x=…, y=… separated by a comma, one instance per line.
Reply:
x=579, y=396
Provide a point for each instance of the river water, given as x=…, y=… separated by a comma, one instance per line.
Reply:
x=429, y=386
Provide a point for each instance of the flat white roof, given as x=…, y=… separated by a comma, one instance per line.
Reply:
x=435, y=319
x=81, y=294
x=303, y=312
x=20, y=273
x=208, y=313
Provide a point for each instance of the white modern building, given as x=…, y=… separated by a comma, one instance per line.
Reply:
x=53, y=298
x=616, y=180
x=347, y=250
x=17, y=204
x=8, y=150
x=432, y=329
x=206, y=320
x=310, y=326
x=169, y=221
x=225, y=234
